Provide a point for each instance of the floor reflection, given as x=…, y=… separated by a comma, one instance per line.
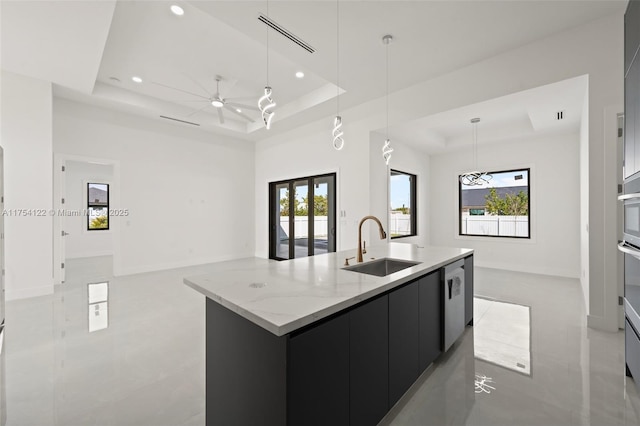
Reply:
x=3, y=398
x=147, y=367
x=502, y=334
x=98, y=297
x=576, y=373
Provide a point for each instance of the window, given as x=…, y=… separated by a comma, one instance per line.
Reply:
x=499, y=208
x=402, y=214
x=97, y=206
x=297, y=227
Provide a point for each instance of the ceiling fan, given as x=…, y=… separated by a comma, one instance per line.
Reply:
x=216, y=101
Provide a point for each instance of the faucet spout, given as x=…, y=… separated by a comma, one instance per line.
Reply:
x=383, y=234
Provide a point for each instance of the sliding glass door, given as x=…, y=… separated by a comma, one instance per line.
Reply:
x=302, y=217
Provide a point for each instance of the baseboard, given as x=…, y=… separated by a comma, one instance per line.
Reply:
x=25, y=293
x=597, y=322
x=555, y=272
x=174, y=265
x=90, y=254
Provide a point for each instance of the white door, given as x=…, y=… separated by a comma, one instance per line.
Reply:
x=59, y=255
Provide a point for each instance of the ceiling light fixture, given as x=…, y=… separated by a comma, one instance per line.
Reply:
x=266, y=103
x=238, y=110
x=136, y=79
x=338, y=140
x=177, y=10
x=217, y=100
x=386, y=148
x=475, y=178
x=299, y=74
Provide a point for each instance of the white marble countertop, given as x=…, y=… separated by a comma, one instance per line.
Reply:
x=284, y=296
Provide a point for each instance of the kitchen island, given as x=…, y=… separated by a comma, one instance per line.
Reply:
x=307, y=342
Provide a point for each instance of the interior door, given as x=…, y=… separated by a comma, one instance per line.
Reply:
x=62, y=220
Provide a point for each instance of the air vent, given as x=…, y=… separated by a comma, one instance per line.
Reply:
x=560, y=115
x=274, y=26
x=181, y=121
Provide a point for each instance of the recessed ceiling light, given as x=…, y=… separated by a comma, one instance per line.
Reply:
x=300, y=74
x=238, y=109
x=177, y=10
x=136, y=79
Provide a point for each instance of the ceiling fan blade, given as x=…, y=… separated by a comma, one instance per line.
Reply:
x=197, y=111
x=180, y=90
x=246, y=98
x=220, y=116
x=233, y=110
x=243, y=106
x=198, y=84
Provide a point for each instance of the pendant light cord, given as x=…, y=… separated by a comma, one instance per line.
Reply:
x=387, y=108
x=268, y=16
x=338, y=55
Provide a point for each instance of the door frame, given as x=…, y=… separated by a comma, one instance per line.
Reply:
x=291, y=187
x=59, y=256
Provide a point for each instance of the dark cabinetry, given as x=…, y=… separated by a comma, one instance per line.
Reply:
x=369, y=362
x=430, y=319
x=404, y=332
x=348, y=369
x=631, y=33
x=318, y=374
x=632, y=89
x=632, y=350
x=468, y=290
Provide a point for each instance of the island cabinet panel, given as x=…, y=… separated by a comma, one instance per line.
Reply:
x=245, y=371
x=318, y=374
x=430, y=319
x=404, y=364
x=369, y=362
x=468, y=290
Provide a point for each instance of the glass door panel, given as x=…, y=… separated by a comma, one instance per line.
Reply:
x=301, y=214
x=282, y=221
x=320, y=216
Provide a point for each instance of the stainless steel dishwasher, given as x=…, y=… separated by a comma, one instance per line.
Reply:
x=453, y=295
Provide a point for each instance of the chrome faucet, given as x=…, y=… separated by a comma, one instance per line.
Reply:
x=383, y=235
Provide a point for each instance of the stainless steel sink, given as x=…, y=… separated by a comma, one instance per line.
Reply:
x=381, y=267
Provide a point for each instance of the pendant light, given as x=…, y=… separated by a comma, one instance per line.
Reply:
x=338, y=140
x=475, y=178
x=386, y=148
x=266, y=103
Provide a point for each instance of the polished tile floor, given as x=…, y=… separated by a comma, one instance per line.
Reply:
x=142, y=363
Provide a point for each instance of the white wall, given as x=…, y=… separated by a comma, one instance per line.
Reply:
x=178, y=183
x=594, y=49
x=308, y=151
x=80, y=242
x=554, y=246
x=406, y=159
x=26, y=138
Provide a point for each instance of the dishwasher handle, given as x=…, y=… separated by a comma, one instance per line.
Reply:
x=453, y=284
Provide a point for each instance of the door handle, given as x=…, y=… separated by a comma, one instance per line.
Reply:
x=624, y=248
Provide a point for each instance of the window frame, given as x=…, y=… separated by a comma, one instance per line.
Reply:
x=91, y=205
x=513, y=237
x=413, y=194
